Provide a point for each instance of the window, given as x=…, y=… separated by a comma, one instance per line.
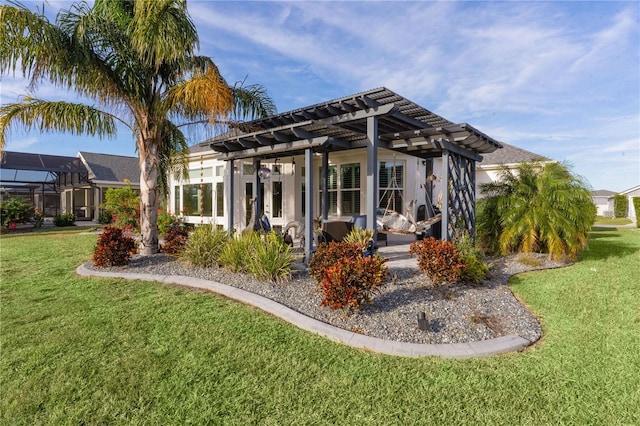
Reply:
x=220, y=199
x=350, y=189
x=391, y=185
x=247, y=169
x=248, y=196
x=196, y=200
x=219, y=170
x=205, y=172
x=276, y=199
x=344, y=194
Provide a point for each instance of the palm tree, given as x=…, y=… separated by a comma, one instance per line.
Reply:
x=136, y=60
x=540, y=207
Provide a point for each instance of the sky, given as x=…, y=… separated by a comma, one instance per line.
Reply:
x=560, y=79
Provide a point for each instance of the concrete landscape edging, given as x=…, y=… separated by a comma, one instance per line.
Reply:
x=498, y=345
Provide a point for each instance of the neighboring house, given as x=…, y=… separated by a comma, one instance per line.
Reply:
x=603, y=200
x=488, y=170
x=84, y=196
x=58, y=184
x=630, y=194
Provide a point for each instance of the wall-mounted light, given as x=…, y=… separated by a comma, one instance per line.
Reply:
x=264, y=173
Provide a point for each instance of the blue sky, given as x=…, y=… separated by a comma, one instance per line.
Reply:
x=561, y=79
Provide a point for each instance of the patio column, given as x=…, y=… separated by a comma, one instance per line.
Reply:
x=325, y=185
x=308, y=202
x=231, y=191
x=372, y=173
x=444, y=223
x=256, y=184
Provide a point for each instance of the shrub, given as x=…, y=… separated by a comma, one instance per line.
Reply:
x=38, y=218
x=204, y=246
x=346, y=278
x=175, y=238
x=475, y=269
x=15, y=210
x=272, y=259
x=235, y=255
x=113, y=248
x=440, y=260
x=362, y=237
x=124, y=205
x=620, y=205
x=636, y=206
x=166, y=220
x=64, y=219
x=540, y=207
x=105, y=217
x=328, y=254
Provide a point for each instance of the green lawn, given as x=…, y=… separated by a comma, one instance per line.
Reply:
x=617, y=221
x=96, y=351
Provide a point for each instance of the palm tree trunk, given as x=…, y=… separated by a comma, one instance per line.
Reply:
x=149, y=201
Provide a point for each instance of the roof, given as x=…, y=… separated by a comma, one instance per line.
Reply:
x=111, y=168
x=24, y=168
x=341, y=124
x=510, y=154
x=602, y=193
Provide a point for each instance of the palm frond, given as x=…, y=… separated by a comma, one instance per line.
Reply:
x=47, y=116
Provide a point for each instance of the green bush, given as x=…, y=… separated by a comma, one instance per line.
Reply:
x=205, y=245
x=15, y=210
x=105, y=217
x=540, y=207
x=439, y=260
x=636, y=206
x=475, y=269
x=620, y=205
x=362, y=237
x=166, y=220
x=271, y=260
x=64, y=219
x=113, y=248
x=235, y=255
x=124, y=205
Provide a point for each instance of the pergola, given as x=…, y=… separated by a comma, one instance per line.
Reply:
x=23, y=173
x=378, y=118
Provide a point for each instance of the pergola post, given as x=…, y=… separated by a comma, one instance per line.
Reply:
x=256, y=183
x=372, y=173
x=308, y=202
x=231, y=191
x=444, y=209
x=325, y=185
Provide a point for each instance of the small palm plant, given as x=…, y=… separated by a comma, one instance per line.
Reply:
x=360, y=236
x=540, y=207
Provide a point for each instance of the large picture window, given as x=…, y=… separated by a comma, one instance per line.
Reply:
x=391, y=185
x=196, y=200
x=344, y=192
x=220, y=199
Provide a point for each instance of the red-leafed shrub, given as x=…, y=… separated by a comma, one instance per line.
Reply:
x=329, y=254
x=114, y=248
x=440, y=260
x=346, y=278
x=175, y=239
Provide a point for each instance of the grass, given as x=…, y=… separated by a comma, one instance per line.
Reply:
x=93, y=351
x=618, y=221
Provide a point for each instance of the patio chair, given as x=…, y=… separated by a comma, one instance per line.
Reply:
x=335, y=230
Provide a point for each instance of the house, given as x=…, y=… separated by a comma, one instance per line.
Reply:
x=60, y=184
x=603, y=200
x=349, y=157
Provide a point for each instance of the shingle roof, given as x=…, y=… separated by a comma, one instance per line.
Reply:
x=111, y=168
x=602, y=193
x=510, y=154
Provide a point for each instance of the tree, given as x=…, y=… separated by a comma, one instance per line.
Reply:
x=540, y=207
x=136, y=59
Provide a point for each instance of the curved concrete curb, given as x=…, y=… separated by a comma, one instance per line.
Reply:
x=489, y=347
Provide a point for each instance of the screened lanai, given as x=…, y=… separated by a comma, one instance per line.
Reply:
x=373, y=120
x=38, y=177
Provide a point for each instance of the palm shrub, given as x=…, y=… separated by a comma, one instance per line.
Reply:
x=360, y=236
x=540, y=207
x=271, y=260
x=205, y=245
x=475, y=269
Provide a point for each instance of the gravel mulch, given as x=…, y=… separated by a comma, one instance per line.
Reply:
x=456, y=313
